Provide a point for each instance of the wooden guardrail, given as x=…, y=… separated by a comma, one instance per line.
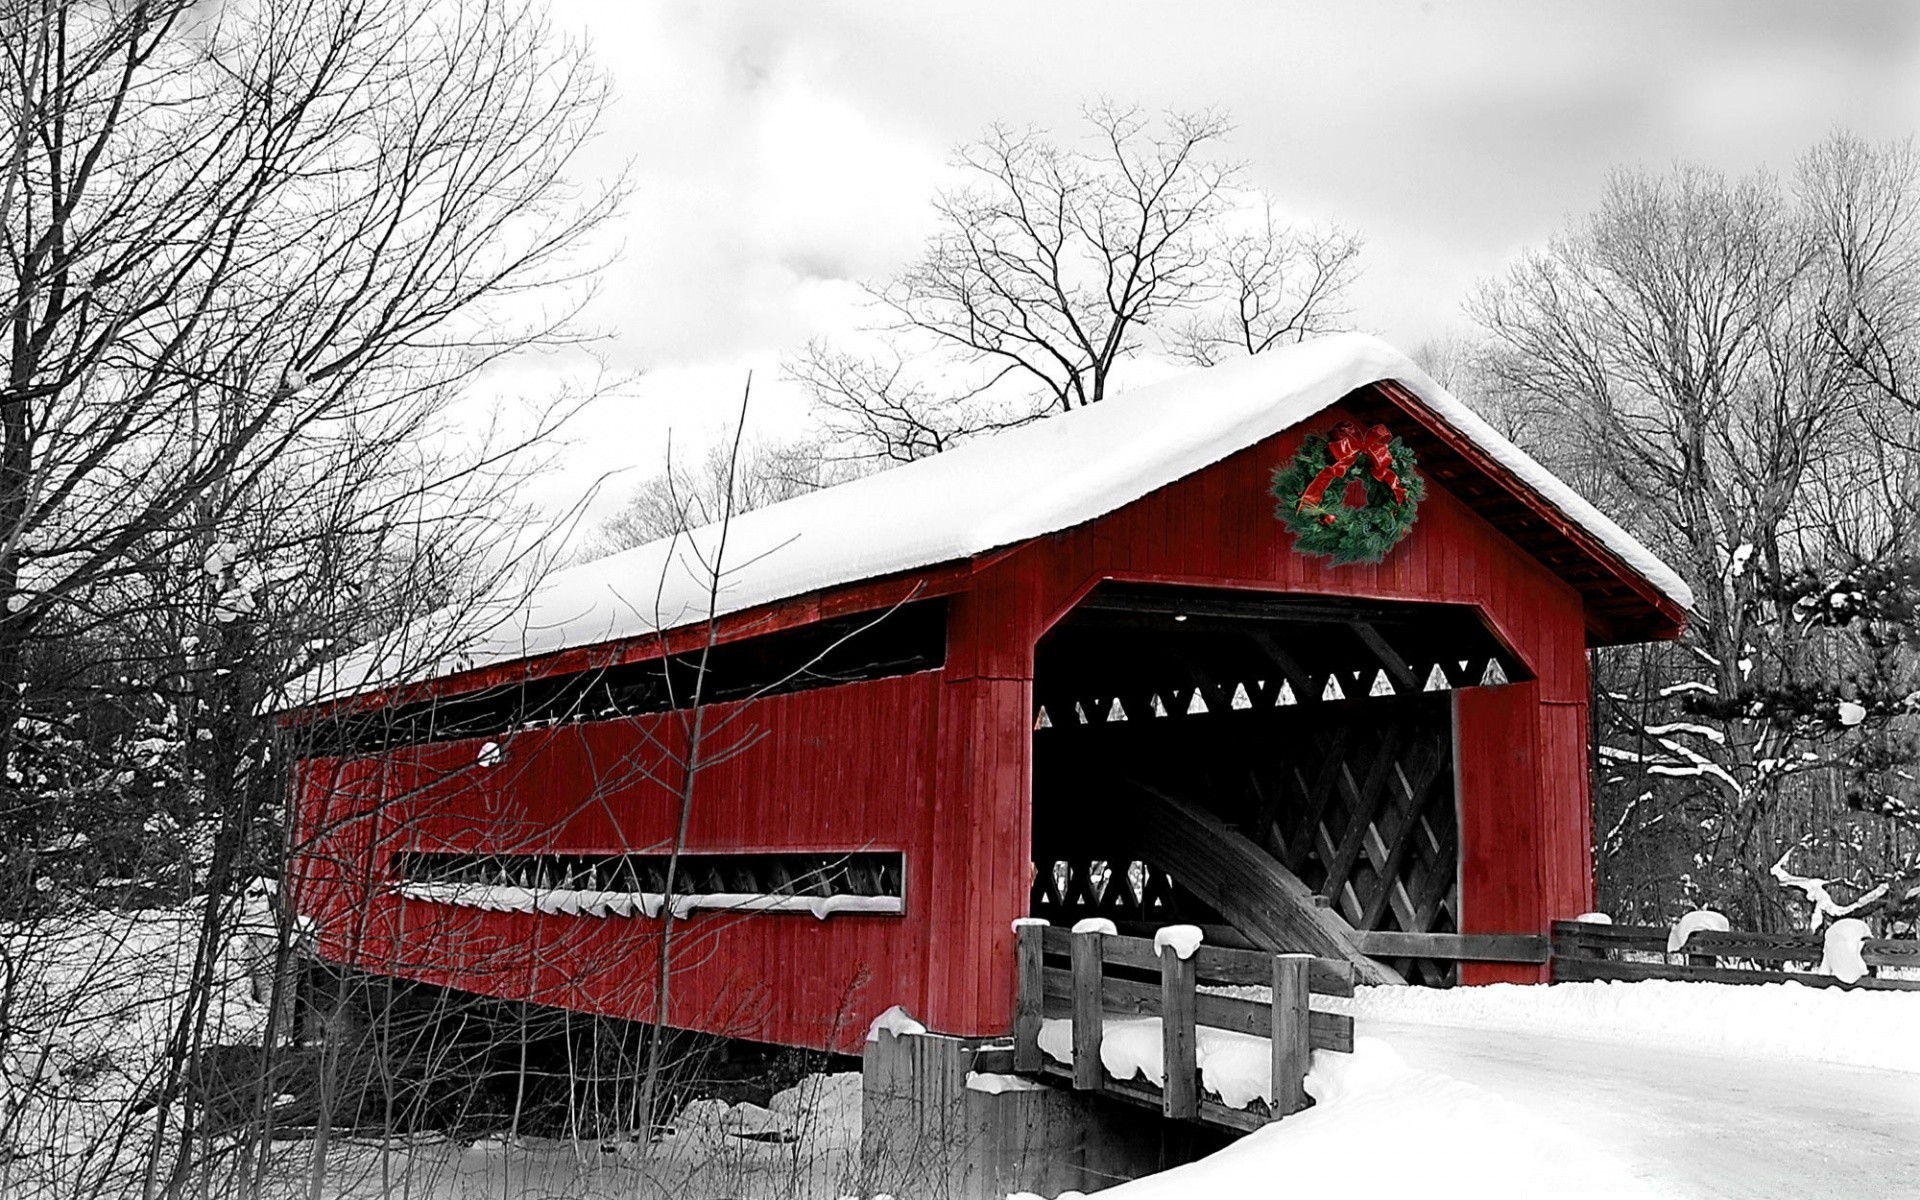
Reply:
x=1583, y=951
x=1460, y=947
x=1088, y=977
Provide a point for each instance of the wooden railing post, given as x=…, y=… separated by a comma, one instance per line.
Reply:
x=1179, y=1045
x=1032, y=999
x=1089, y=1013
x=1291, y=1043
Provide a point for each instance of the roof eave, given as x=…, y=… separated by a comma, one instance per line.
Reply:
x=1622, y=605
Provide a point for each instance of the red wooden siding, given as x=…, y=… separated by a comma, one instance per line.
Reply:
x=857, y=777
x=938, y=765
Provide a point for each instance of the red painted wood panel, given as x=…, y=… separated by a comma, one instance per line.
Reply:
x=845, y=768
x=1503, y=865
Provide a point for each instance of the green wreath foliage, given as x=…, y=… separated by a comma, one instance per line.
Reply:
x=1354, y=535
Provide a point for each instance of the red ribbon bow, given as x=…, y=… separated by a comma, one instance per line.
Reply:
x=1346, y=445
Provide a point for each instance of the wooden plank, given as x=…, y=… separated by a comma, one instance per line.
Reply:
x=1574, y=970
x=1390, y=658
x=1296, y=676
x=1579, y=938
x=1227, y=958
x=1254, y=968
x=1585, y=935
x=996, y=1058
x=1179, y=1044
x=1473, y=947
x=1134, y=952
x=1291, y=1038
x=1032, y=999
x=1798, y=947
x=1757, y=947
x=1132, y=998
x=1892, y=952
x=1089, y=1016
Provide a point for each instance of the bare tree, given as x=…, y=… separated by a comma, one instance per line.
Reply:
x=251, y=255
x=1864, y=204
x=1055, y=263
x=1051, y=262
x=880, y=409
x=725, y=479
x=1696, y=352
x=227, y=230
x=1280, y=285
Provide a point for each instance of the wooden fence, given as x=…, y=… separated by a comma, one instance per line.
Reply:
x=1090, y=977
x=1458, y=947
x=1583, y=951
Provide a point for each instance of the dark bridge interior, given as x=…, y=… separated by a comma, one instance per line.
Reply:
x=1278, y=767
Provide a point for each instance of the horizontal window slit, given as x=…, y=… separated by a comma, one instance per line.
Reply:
x=822, y=883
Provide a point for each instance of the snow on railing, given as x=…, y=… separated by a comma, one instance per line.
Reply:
x=1584, y=951
x=1088, y=1008
x=589, y=902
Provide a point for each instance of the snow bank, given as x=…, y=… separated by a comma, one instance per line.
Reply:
x=992, y=492
x=804, y=1143
x=1773, y=1020
x=1379, y=1127
x=92, y=999
x=824, y=1109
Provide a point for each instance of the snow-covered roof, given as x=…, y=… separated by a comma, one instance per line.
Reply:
x=992, y=492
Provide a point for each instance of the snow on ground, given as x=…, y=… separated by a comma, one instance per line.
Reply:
x=804, y=1145
x=1703, y=1125
x=1621, y=1089
x=1873, y=1029
x=1381, y=1127
x=1686, y=1090
x=91, y=999
x=1658, y=1088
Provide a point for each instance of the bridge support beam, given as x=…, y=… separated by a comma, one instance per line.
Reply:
x=925, y=1131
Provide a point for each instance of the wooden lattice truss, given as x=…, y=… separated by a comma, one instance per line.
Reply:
x=1355, y=798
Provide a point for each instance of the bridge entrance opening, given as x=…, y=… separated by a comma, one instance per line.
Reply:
x=1277, y=769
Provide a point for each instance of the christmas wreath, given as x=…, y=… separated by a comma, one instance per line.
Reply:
x=1332, y=525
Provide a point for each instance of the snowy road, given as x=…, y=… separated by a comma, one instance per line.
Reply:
x=1696, y=1124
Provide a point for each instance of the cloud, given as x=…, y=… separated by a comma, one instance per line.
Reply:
x=754, y=174
x=783, y=152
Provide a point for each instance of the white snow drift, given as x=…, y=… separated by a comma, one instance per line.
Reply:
x=1873, y=1029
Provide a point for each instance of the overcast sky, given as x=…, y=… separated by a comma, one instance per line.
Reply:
x=781, y=152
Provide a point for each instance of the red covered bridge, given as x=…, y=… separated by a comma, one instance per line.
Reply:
x=1073, y=669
